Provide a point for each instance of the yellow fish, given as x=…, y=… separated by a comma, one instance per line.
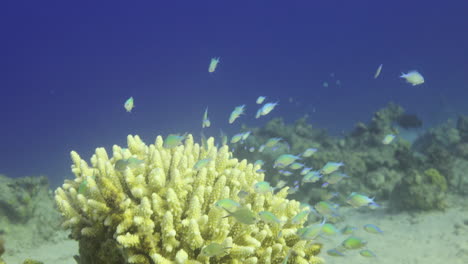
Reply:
x=129, y=104
x=213, y=64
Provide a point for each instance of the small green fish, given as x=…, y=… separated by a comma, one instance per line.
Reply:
x=267, y=108
x=305, y=170
x=83, y=186
x=213, y=64
x=227, y=204
x=260, y=99
x=311, y=176
x=269, y=217
x=331, y=167
x=348, y=230
x=259, y=162
x=129, y=105
x=238, y=111
x=201, y=163
x=243, y=215
x=133, y=162
x=173, y=140
x=272, y=142
x=285, y=160
x=296, y=165
x=242, y=194
x=357, y=200
x=327, y=208
x=334, y=178
x=388, y=139
x=310, y=232
x=353, y=242
x=121, y=165
x=373, y=229
x=263, y=187
x=205, y=121
x=213, y=250
x=335, y=253
x=309, y=152
x=297, y=219
x=367, y=253
x=236, y=138
x=330, y=229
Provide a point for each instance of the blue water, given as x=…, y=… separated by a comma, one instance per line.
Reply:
x=67, y=68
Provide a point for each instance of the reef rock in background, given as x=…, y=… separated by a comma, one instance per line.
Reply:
x=373, y=167
x=161, y=209
x=377, y=169
x=446, y=148
x=423, y=191
x=27, y=211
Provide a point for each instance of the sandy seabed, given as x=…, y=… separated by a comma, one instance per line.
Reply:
x=438, y=237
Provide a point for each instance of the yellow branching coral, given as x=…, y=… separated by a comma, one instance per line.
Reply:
x=153, y=205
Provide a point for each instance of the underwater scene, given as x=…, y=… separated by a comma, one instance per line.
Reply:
x=209, y=132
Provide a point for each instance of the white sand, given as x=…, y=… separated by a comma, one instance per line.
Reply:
x=423, y=238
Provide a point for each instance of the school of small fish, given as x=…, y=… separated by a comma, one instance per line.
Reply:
x=293, y=168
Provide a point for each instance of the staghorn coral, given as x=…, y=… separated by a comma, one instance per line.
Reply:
x=161, y=211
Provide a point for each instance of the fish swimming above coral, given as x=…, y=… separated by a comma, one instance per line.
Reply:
x=238, y=111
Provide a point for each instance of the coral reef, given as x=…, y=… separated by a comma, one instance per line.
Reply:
x=424, y=191
x=17, y=197
x=161, y=209
x=27, y=211
x=375, y=168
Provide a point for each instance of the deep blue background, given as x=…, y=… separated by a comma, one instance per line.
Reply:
x=67, y=67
